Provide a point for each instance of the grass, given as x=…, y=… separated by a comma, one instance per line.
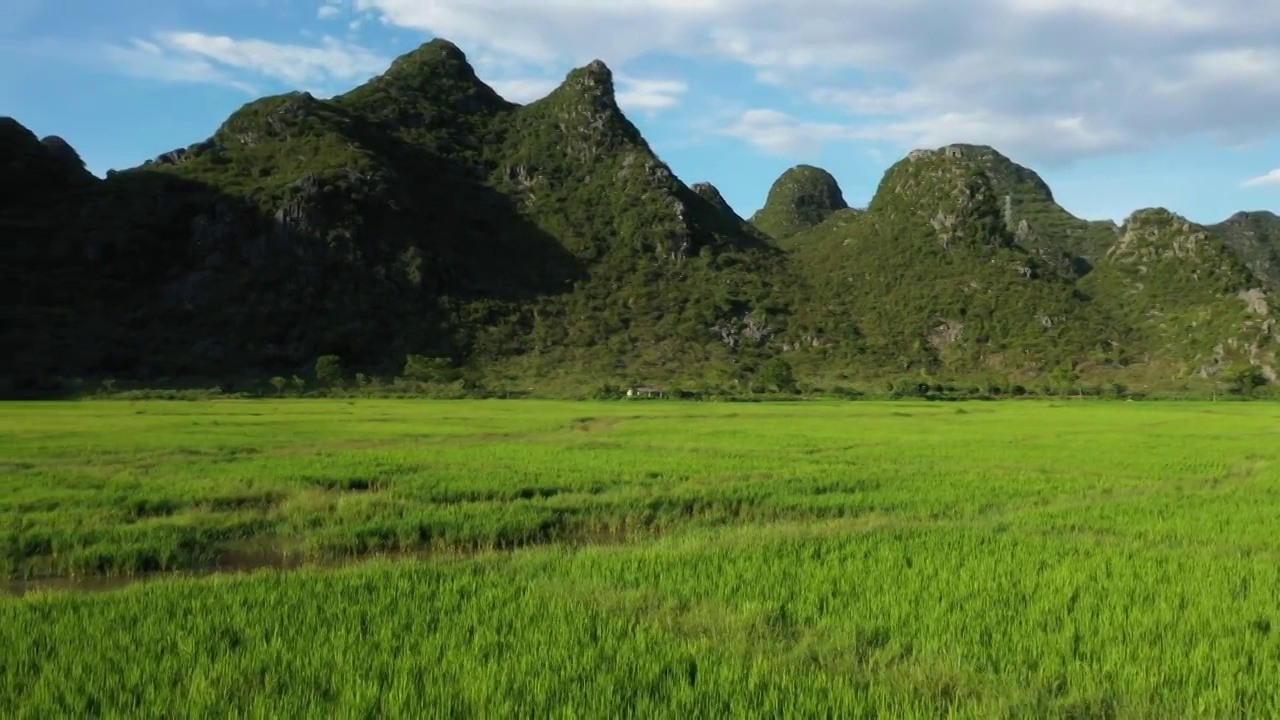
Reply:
x=1020, y=559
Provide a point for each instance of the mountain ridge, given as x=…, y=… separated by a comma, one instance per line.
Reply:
x=421, y=214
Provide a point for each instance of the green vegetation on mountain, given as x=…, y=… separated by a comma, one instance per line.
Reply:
x=1031, y=214
x=1255, y=237
x=933, y=278
x=423, y=216
x=801, y=198
x=669, y=277
x=1182, y=298
x=712, y=195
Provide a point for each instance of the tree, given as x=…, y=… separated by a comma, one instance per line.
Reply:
x=608, y=391
x=279, y=384
x=329, y=370
x=1243, y=379
x=777, y=373
x=1065, y=377
x=907, y=386
x=428, y=369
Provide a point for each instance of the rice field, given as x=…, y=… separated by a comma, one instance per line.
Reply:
x=640, y=559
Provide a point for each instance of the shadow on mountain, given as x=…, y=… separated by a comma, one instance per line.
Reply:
x=481, y=245
x=721, y=221
x=150, y=274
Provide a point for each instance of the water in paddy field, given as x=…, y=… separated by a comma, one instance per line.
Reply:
x=269, y=558
x=240, y=561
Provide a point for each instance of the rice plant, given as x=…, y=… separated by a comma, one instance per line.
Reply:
x=640, y=559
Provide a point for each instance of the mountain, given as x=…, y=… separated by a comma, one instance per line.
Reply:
x=963, y=261
x=417, y=214
x=711, y=194
x=1031, y=213
x=1255, y=237
x=45, y=183
x=933, y=277
x=799, y=199
x=1183, y=300
x=422, y=215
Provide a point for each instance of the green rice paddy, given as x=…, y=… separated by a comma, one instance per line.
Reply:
x=640, y=559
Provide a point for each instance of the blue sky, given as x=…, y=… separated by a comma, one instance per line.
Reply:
x=1118, y=104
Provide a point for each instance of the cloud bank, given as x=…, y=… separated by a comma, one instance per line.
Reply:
x=197, y=57
x=1051, y=80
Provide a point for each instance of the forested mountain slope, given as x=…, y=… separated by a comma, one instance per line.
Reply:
x=423, y=215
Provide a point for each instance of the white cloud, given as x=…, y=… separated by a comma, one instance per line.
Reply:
x=1058, y=138
x=634, y=94
x=148, y=60
x=784, y=134
x=332, y=60
x=197, y=57
x=1271, y=178
x=524, y=90
x=555, y=30
x=1051, y=80
x=648, y=95
x=328, y=12
x=780, y=133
